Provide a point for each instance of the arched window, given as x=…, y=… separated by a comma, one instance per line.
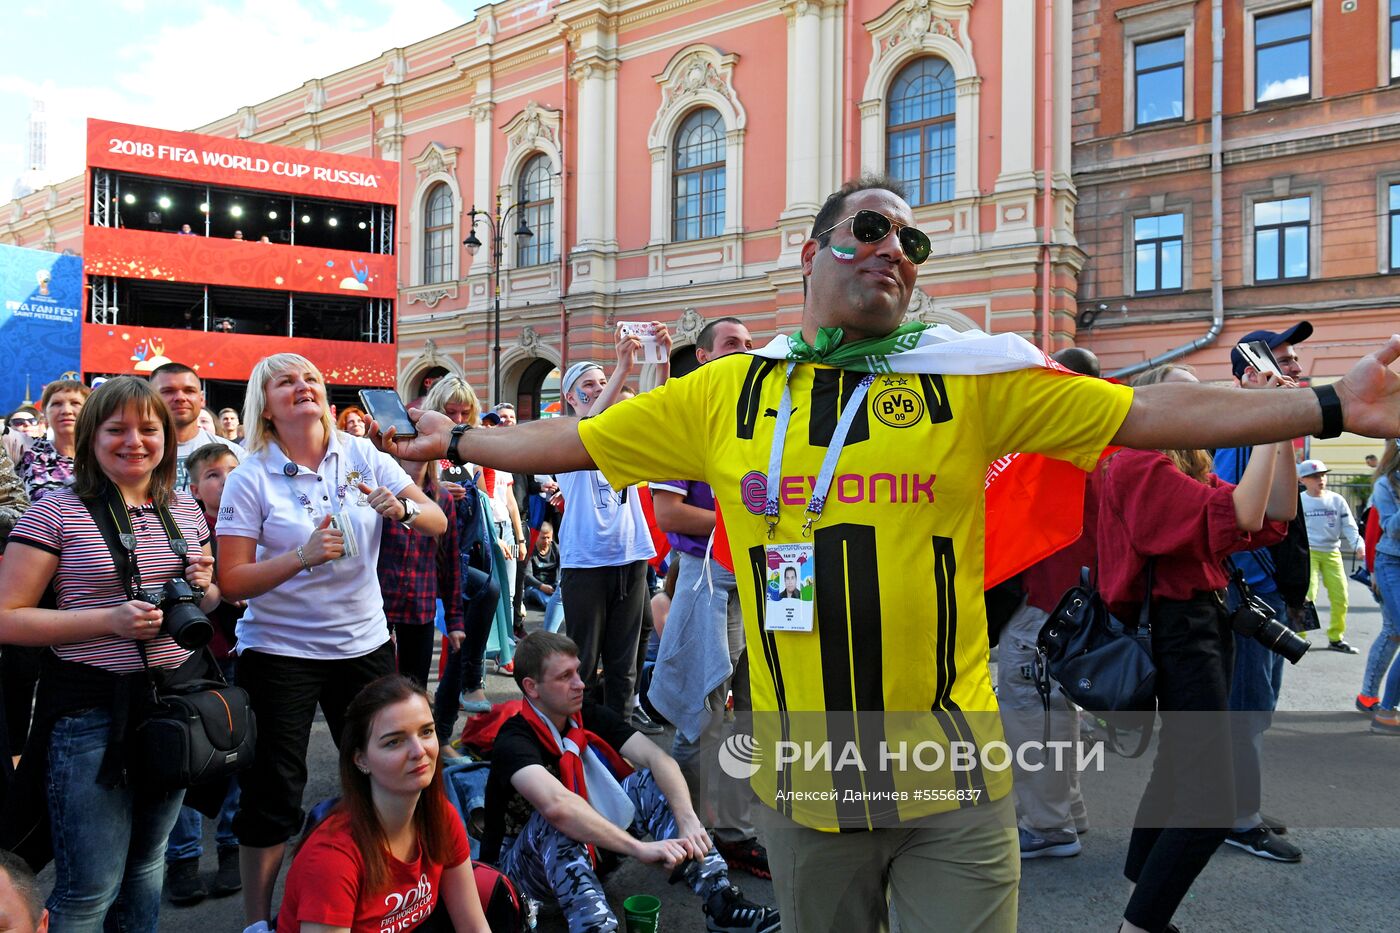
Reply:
x=920, y=131
x=697, y=203
x=536, y=200
x=437, y=235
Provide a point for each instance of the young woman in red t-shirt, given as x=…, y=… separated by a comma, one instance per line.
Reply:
x=393, y=854
x=1167, y=507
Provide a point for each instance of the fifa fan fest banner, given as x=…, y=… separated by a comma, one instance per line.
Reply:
x=137, y=350
x=238, y=163
x=41, y=300
x=141, y=254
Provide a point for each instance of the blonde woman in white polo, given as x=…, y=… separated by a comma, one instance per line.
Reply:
x=298, y=531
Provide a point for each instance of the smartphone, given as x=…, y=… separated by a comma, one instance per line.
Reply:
x=388, y=411
x=1257, y=354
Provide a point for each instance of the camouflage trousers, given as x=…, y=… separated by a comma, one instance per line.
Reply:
x=544, y=863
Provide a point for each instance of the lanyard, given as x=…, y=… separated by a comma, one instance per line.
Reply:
x=828, y=467
x=337, y=500
x=127, y=537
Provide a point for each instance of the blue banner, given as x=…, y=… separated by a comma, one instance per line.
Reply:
x=41, y=313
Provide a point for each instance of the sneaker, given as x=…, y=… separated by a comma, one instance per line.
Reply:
x=1342, y=647
x=1034, y=846
x=1387, y=722
x=1365, y=704
x=482, y=705
x=1263, y=842
x=726, y=911
x=1276, y=826
x=643, y=723
x=182, y=882
x=229, y=878
x=746, y=855
x=507, y=669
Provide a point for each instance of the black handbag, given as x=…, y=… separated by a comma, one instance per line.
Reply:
x=1098, y=663
x=195, y=729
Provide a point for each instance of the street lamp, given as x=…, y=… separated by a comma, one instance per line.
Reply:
x=494, y=222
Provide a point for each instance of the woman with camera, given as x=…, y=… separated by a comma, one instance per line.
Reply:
x=108, y=831
x=299, y=540
x=393, y=853
x=1167, y=522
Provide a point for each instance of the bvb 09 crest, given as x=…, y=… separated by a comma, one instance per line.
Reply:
x=898, y=407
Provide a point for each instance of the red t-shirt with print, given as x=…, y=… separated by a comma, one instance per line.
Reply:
x=323, y=885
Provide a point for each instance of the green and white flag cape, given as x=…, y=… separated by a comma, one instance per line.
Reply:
x=912, y=348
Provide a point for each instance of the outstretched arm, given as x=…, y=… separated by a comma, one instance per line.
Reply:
x=549, y=446
x=1185, y=415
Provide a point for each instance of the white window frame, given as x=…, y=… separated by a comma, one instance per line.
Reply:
x=696, y=77
x=1130, y=252
x=1253, y=9
x=1149, y=23
x=1282, y=190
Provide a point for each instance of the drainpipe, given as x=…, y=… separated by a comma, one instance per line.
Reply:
x=851, y=168
x=1217, y=162
x=564, y=214
x=1047, y=57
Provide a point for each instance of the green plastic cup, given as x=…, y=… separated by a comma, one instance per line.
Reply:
x=641, y=912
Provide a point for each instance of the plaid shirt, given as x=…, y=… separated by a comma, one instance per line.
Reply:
x=415, y=570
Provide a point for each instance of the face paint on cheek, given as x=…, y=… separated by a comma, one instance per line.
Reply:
x=843, y=253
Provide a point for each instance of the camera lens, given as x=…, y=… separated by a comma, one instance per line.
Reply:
x=1281, y=639
x=184, y=622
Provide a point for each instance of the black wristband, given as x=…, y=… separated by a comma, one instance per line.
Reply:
x=452, y=455
x=1331, y=411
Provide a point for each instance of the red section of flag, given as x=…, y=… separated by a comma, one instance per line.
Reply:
x=658, y=537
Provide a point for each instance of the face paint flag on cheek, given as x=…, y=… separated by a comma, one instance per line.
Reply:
x=843, y=253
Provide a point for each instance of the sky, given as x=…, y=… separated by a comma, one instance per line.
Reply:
x=178, y=64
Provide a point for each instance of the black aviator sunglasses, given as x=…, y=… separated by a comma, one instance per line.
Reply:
x=872, y=227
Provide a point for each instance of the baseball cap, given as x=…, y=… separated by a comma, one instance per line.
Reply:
x=574, y=374
x=490, y=417
x=1295, y=334
x=1311, y=468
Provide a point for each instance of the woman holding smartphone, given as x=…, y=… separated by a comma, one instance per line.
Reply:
x=298, y=539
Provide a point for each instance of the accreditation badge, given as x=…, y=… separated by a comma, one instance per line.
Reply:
x=789, y=588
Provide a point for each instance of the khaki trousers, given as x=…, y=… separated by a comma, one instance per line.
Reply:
x=955, y=871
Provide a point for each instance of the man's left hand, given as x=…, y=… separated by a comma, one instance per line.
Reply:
x=691, y=831
x=434, y=435
x=1370, y=393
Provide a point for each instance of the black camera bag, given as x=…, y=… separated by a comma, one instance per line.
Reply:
x=1100, y=664
x=196, y=728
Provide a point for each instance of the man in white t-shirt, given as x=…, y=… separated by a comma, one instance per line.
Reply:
x=604, y=547
x=183, y=393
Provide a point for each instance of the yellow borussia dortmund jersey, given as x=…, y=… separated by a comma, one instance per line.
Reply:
x=900, y=626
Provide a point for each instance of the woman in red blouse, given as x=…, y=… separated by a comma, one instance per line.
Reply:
x=1167, y=507
x=393, y=854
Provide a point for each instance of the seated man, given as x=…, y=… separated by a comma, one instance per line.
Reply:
x=560, y=790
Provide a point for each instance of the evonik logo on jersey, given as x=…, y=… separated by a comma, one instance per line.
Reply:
x=884, y=488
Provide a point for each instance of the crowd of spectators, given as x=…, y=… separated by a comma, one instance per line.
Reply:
x=337, y=562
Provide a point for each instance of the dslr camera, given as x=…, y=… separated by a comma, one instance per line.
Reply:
x=1254, y=619
x=183, y=620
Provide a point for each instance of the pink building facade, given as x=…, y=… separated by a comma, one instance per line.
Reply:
x=669, y=157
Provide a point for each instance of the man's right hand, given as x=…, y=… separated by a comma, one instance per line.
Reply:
x=546, y=589
x=434, y=436
x=667, y=852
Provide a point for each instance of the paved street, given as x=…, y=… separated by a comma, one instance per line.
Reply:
x=1314, y=763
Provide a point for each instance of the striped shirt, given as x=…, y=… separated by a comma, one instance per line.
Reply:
x=86, y=578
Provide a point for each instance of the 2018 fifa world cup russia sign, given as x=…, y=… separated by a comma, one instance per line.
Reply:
x=237, y=163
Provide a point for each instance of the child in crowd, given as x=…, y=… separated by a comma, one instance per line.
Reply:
x=208, y=466
x=542, y=579
x=1329, y=518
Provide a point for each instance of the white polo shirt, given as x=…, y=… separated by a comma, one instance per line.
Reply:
x=335, y=611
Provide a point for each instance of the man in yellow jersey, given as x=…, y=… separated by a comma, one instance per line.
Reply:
x=857, y=450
